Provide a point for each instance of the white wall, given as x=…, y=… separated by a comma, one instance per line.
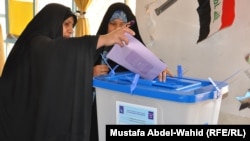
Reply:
x=175, y=33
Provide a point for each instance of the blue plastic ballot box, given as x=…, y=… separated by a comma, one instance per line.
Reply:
x=179, y=100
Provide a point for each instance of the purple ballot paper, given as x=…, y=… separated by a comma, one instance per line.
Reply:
x=137, y=58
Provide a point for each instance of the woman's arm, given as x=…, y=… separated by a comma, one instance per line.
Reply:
x=115, y=37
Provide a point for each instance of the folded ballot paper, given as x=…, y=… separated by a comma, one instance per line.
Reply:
x=137, y=58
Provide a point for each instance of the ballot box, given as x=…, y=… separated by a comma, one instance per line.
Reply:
x=123, y=98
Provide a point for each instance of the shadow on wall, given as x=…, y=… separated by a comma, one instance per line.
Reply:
x=225, y=118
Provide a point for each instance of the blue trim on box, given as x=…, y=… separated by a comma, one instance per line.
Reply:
x=185, y=90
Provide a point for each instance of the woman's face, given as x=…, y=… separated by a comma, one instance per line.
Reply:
x=68, y=27
x=113, y=25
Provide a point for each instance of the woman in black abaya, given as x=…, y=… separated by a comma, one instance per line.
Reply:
x=116, y=11
x=46, y=84
x=118, y=15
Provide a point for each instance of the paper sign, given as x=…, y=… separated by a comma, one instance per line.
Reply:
x=128, y=113
x=137, y=58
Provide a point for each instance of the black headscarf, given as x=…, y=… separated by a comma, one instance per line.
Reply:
x=103, y=29
x=46, y=84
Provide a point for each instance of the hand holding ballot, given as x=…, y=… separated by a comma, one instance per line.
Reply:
x=139, y=59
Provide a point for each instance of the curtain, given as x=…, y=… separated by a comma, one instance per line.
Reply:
x=20, y=12
x=2, y=53
x=82, y=25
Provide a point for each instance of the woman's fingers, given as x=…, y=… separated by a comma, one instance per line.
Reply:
x=100, y=70
x=163, y=75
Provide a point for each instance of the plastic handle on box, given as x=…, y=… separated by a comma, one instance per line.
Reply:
x=104, y=57
x=104, y=61
x=216, y=87
x=179, y=71
x=134, y=83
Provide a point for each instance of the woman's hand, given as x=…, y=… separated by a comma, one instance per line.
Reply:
x=162, y=76
x=100, y=70
x=115, y=37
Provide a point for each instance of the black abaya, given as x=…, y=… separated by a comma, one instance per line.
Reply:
x=46, y=84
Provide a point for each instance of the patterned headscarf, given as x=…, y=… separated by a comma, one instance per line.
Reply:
x=119, y=15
